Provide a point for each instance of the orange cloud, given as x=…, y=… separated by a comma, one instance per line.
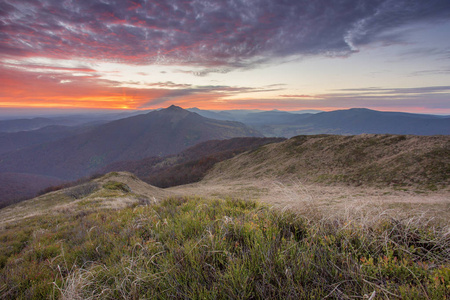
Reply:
x=56, y=87
x=31, y=89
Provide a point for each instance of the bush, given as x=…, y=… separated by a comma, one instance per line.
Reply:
x=117, y=186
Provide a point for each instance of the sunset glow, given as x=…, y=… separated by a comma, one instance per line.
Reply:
x=263, y=54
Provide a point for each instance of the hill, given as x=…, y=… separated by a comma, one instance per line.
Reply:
x=191, y=164
x=157, y=133
x=113, y=190
x=117, y=237
x=396, y=160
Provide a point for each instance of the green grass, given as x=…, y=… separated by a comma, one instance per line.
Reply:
x=196, y=248
x=117, y=186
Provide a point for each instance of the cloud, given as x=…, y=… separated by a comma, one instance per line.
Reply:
x=297, y=96
x=445, y=71
x=19, y=88
x=204, y=72
x=169, y=84
x=427, y=97
x=60, y=87
x=395, y=91
x=216, y=35
x=433, y=103
x=201, y=95
x=31, y=67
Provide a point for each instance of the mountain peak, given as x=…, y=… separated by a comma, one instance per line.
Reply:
x=174, y=108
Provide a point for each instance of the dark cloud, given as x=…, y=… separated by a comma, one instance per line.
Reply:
x=169, y=96
x=169, y=84
x=297, y=96
x=428, y=96
x=431, y=72
x=214, y=34
x=204, y=72
x=439, y=53
x=418, y=103
x=212, y=91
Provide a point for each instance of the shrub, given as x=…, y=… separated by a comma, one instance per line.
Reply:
x=117, y=186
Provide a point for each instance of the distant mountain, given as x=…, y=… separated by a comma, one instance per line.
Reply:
x=26, y=124
x=273, y=118
x=212, y=114
x=16, y=187
x=239, y=115
x=306, y=111
x=17, y=124
x=361, y=120
x=12, y=141
x=347, y=122
x=369, y=159
x=158, y=133
x=191, y=164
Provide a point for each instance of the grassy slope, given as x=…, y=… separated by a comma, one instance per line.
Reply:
x=194, y=248
x=379, y=160
x=96, y=194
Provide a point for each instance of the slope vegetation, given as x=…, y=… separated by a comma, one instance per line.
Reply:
x=191, y=248
x=365, y=159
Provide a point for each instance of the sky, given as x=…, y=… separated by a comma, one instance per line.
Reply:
x=390, y=55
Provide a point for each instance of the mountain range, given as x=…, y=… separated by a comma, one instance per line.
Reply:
x=346, y=122
x=158, y=133
x=143, y=142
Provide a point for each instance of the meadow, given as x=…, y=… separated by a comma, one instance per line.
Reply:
x=197, y=248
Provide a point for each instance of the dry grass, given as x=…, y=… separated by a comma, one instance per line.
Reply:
x=228, y=249
x=412, y=162
x=93, y=195
x=330, y=199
